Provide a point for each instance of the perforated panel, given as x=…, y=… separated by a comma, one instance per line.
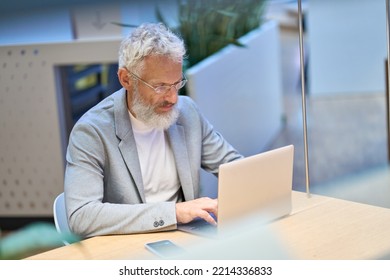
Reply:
x=31, y=117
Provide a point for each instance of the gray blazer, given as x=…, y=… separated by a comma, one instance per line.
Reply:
x=104, y=192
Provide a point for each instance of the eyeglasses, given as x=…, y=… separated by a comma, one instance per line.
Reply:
x=164, y=88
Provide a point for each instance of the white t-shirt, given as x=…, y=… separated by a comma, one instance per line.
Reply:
x=159, y=173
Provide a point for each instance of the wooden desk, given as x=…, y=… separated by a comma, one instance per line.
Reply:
x=319, y=228
x=337, y=229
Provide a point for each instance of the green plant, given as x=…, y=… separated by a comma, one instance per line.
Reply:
x=209, y=25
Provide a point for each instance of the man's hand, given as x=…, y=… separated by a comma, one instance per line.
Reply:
x=201, y=207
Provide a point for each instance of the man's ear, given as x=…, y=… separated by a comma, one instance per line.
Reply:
x=124, y=79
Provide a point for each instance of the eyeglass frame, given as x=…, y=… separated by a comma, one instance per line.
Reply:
x=182, y=82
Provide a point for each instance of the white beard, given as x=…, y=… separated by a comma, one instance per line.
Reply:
x=146, y=114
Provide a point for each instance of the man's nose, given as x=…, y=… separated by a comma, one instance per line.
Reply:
x=171, y=94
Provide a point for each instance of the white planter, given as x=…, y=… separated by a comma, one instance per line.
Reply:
x=239, y=90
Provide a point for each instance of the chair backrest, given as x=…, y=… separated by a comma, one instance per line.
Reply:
x=60, y=218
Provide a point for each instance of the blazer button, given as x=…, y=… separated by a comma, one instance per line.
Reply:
x=161, y=222
x=155, y=224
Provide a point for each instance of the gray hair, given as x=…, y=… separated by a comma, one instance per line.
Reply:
x=149, y=39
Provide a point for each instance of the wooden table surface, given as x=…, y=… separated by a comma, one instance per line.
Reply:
x=319, y=227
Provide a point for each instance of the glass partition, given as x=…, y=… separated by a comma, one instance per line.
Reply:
x=345, y=57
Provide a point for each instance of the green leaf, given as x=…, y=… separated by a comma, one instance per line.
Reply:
x=123, y=24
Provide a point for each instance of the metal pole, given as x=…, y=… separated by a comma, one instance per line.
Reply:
x=387, y=108
x=388, y=78
x=302, y=62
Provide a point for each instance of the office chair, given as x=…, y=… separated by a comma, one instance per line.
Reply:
x=60, y=218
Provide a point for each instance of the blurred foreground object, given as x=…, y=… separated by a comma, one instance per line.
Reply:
x=33, y=239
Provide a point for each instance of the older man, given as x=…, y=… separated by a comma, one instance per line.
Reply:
x=133, y=160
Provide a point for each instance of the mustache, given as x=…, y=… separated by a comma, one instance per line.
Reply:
x=167, y=103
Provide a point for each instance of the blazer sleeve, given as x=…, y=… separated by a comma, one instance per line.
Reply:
x=89, y=214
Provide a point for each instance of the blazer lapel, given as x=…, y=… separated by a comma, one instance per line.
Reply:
x=127, y=146
x=178, y=144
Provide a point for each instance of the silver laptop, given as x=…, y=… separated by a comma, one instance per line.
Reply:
x=257, y=186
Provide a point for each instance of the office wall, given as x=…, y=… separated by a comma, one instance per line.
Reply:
x=346, y=46
x=31, y=120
